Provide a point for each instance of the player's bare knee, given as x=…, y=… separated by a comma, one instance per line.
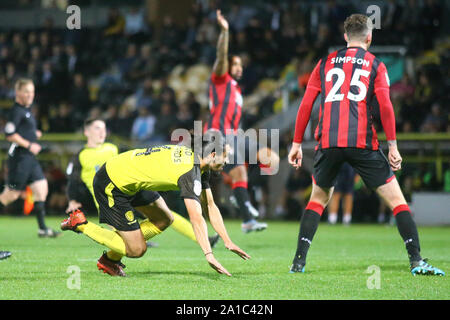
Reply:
x=137, y=251
x=10, y=196
x=321, y=195
x=40, y=190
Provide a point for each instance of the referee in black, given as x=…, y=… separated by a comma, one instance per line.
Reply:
x=23, y=167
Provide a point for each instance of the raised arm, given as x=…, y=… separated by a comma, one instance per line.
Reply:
x=217, y=222
x=221, y=63
x=194, y=210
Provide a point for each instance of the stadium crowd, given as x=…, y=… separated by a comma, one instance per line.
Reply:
x=128, y=71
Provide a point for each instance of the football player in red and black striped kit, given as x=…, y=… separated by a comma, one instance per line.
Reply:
x=351, y=82
x=225, y=104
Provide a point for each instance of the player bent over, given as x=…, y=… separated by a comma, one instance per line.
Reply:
x=349, y=81
x=126, y=182
x=83, y=167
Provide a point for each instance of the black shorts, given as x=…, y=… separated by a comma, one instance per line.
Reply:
x=23, y=169
x=117, y=208
x=243, y=150
x=345, y=179
x=371, y=165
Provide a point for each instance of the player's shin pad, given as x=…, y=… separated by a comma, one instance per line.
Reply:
x=149, y=230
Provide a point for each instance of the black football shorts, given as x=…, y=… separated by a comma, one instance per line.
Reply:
x=117, y=208
x=371, y=165
x=23, y=169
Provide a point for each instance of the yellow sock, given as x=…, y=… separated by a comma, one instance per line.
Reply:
x=183, y=226
x=114, y=256
x=149, y=230
x=104, y=236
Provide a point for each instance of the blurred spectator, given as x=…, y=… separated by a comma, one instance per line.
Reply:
x=145, y=96
x=425, y=94
x=79, y=94
x=191, y=32
x=44, y=44
x=166, y=93
x=111, y=118
x=170, y=35
x=436, y=121
x=72, y=59
x=11, y=73
x=36, y=57
x=125, y=121
x=135, y=26
x=143, y=125
x=46, y=87
x=185, y=118
x=143, y=66
x=126, y=63
x=165, y=123
x=61, y=119
x=6, y=89
x=18, y=48
x=239, y=16
x=57, y=58
x=193, y=105
x=116, y=23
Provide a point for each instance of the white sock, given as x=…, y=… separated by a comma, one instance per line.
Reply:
x=347, y=218
x=332, y=217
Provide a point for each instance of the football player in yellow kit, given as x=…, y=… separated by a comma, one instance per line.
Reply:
x=126, y=182
x=84, y=165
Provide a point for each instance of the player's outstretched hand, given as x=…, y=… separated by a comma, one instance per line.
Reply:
x=223, y=23
x=241, y=253
x=395, y=159
x=295, y=155
x=216, y=265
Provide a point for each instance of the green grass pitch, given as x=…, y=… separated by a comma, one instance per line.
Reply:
x=337, y=265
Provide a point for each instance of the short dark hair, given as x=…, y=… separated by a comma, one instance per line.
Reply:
x=357, y=26
x=89, y=121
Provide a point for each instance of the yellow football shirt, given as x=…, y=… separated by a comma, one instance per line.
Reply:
x=85, y=165
x=161, y=168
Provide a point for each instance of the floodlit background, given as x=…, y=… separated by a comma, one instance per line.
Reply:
x=144, y=67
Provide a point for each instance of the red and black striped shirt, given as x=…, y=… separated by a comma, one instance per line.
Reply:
x=225, y=104
x=351, y=81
